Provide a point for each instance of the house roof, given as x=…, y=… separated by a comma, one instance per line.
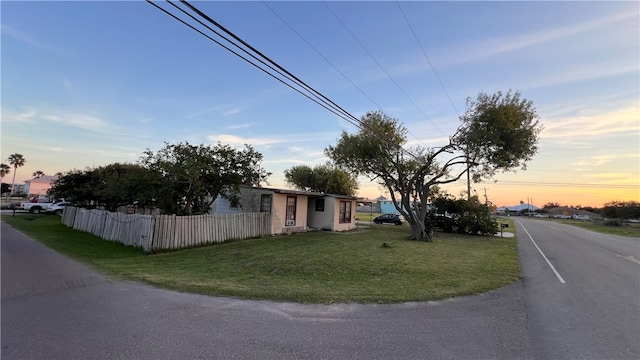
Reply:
x=42, y=179
x=518, y=207
x=302, y=192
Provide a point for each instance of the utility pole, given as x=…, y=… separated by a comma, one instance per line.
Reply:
x=468, y=177
x=486, y=199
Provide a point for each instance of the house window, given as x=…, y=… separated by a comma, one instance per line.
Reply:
x=319, y=204
x=291, y=211
x=265, y=203
x=345, y=212
x=234, y=202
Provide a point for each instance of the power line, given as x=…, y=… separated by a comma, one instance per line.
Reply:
x=424, y=52
x=582, y=185
x=321, y=99
x=383, y=69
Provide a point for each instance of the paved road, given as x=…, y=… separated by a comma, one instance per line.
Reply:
x=54, y=308
x=583, y=294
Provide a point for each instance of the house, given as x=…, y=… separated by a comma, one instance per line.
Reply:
x=38, y=187
x=506, y=210
x=387, y=206
x=294, y=210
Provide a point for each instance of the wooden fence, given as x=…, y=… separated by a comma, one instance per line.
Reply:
x=167, y=232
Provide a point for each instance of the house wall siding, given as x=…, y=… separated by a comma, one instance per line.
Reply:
x=336, y=215
x=321, y=219
x=279, y=211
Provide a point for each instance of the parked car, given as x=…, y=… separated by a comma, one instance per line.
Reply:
x=396, y=219
x=56, y=208
x=35, y=207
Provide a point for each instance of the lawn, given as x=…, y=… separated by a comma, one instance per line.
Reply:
x=318, y=267
x=629, y=229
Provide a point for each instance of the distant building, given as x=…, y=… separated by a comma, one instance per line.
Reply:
x=502, y=210
x=38, y=187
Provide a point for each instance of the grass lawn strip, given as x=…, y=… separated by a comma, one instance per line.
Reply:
x=318, y=267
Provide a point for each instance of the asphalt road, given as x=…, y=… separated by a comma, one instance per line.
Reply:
x=55, y=308
x=582, y=291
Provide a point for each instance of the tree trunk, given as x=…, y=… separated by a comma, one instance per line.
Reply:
x=419, y=232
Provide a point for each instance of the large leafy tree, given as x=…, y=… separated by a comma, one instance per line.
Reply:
x=16, y=160
x=621, y=210
x=498, y=133
x=325, y=178
x=110, y=186
x=194, y=175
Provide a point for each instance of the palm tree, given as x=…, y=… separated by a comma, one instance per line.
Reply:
x=4, y=171
x=17, y=160
x=38, y=174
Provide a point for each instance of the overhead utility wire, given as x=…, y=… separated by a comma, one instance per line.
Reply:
x=330, y=63
x=383, y=70
x=328, y=104
x=424, y=52
x=603, y=186
x=245, y=59
x=317, y=94
x=320, y=54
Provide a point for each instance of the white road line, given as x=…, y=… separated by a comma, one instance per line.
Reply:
x=631, y=258
x=543, y=255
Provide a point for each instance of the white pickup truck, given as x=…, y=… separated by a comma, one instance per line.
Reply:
x=35, y=207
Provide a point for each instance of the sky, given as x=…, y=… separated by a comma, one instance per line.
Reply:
x=86, y=84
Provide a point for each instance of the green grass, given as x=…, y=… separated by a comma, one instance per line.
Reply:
x=631, y=229
x=318, y=267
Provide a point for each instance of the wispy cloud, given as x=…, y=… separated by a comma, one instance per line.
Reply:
x=270, y=140
x=239, y=126
x=224, y=110
x=63, y=118
x=624, y=121
x=500, y=45
x=599, y=160
x=25, y=37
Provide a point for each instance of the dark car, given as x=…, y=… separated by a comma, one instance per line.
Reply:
x=389, y=219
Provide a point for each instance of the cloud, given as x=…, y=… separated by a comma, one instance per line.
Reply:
x=500, y=45
x=223, y=110
x=14, y=117
x=599, y=160
x=590, y=72
x=25, y=37
x=271, y=140
x=239, y=126
x=623, y=121
x=64, y=118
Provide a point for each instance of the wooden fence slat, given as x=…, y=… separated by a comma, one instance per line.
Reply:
x=167, y=232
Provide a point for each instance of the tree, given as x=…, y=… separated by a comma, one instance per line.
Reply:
x=326, y=178
x=551, y=205
x=38, y=174
x=111, y=186
x=193, y=176
x=77, y=186
x=4, y=170
x=498, y=133
x=469, y=216
x=621, y=210
x=16, y=160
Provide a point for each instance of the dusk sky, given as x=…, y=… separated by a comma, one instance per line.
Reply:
x=89, y=83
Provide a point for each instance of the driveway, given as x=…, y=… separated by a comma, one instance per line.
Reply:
x=55, y=308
